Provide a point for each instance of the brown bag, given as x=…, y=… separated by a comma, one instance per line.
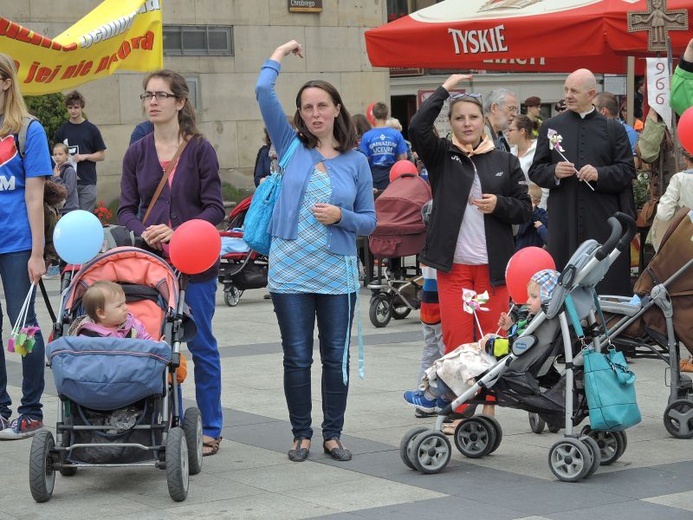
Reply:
x=647, y=213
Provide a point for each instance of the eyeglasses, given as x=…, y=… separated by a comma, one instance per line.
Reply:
x=147, y=96
x=511, y=129
x=511, y=109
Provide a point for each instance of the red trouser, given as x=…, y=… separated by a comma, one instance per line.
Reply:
x=459, y=326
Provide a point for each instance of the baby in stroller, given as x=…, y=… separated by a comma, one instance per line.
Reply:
x=108, y=316
x=457, y=371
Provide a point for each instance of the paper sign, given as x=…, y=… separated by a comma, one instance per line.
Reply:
x=658, y=75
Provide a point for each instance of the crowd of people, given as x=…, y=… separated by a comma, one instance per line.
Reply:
x=498, y=184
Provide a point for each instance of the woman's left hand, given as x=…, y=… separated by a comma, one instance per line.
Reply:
x=327, y=213
x=487, y=203
x=156, y=235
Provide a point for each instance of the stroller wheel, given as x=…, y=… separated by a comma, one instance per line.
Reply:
x=493, y=422
x=41, y=473
x=569, y=460
x=407, y=443
x=177, y=469
x=536, y=423
x=232, y=295
x=431, y=452
x=678, y=419
x=611, y=444
x=595, y=454
x=475, y=437
x=192, y=427
x=399, y=309
x=380, y=310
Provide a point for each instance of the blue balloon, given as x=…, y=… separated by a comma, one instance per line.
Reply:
x=78, y=236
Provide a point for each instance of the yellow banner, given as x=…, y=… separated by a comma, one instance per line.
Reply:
x=117, y=34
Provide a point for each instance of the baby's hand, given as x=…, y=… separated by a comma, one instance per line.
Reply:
x=505, y=321
x=486, y=337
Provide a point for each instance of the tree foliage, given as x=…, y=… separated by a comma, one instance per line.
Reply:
x=50, y=110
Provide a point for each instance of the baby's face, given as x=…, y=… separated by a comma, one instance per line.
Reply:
x=115, y=312
x=533, y=298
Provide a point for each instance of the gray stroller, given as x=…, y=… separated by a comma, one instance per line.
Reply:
x=528, y=378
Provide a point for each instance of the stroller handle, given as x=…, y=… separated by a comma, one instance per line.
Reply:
x=622, y=232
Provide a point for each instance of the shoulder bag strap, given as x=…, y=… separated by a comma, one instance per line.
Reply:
x=163, y=180
x=289, y=152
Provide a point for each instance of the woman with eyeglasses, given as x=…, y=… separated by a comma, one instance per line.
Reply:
x=479, y=192
x=191, y=191
x=21, y=246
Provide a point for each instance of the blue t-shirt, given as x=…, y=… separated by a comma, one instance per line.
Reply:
x=14, y=220
x=382, y=145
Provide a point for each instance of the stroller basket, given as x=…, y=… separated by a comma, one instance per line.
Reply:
x=108, y=373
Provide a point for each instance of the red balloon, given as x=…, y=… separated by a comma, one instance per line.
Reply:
x=195, y=246
x=521, y=267
x=685, y=130
x=401, y=167
x=369, y=114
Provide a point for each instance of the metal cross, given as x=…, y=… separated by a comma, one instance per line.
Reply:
x=658, y=22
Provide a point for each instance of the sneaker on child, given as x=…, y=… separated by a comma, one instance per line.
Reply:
x=4, y=423
x=418, y=399
x=21, y=428
x=420, y=414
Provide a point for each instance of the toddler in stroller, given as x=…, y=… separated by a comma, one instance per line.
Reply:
x=119, y=399
x=455, y=372
x=240, y=268
x=400, y=232
x=527, y=378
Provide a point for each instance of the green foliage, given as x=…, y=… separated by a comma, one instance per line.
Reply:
x=640, y=189
x=230, y=193
x=50, y=110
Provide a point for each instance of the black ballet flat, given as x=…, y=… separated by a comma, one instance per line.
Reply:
x=299, y=454
x=339, y=453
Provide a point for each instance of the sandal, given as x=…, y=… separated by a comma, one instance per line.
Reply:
x=212, y=446
x=449, y=428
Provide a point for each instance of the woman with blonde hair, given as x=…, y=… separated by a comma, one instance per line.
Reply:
x=21, y=246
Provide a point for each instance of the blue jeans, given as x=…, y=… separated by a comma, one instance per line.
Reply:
x=15, y=283
x=200, y=297
x=296, y=314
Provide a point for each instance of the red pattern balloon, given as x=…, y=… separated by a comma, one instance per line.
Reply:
x=195, y=246
x=521, y=267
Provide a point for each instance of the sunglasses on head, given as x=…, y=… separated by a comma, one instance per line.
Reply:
x=472, y=95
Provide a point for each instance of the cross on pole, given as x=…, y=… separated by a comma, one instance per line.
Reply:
x=657, y=21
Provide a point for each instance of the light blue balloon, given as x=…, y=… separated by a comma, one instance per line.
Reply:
x=78, y=236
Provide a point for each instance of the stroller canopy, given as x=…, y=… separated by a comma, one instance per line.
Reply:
x=400, y=230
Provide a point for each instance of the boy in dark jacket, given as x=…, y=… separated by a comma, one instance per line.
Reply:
x=535, y=231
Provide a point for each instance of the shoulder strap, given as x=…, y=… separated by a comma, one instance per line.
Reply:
x=21, y=136
x=288, y=154
x=163, y=180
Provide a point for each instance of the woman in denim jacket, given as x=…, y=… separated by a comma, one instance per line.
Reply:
x=326, y=201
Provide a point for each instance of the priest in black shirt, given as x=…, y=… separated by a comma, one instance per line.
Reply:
x=599, y=155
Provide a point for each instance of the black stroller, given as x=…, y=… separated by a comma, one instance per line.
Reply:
x=240, y=268
x=528, y=379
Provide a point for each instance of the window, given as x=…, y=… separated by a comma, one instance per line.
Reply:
x=198, y=40
x=194, y=96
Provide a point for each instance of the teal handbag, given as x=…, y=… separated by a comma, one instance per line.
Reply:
x=610, y=391
x=256, y=222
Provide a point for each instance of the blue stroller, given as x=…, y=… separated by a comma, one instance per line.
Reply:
x=119, y=398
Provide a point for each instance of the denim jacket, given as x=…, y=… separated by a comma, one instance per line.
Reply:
x=350, y=176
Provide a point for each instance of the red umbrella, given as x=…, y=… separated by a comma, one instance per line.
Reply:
x=539, y=35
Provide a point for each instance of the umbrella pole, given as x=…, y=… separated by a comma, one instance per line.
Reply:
x=630, y=89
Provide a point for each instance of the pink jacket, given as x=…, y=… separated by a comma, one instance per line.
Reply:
x=130, y=328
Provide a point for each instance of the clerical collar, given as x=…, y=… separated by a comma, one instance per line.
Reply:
x=584, y=114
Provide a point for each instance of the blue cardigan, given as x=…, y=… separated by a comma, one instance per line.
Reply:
x=350, y=176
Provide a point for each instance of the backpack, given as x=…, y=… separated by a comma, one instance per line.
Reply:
x=54, y=195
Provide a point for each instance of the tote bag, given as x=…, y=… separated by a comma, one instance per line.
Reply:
x=257, y=220
x=610, y=390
